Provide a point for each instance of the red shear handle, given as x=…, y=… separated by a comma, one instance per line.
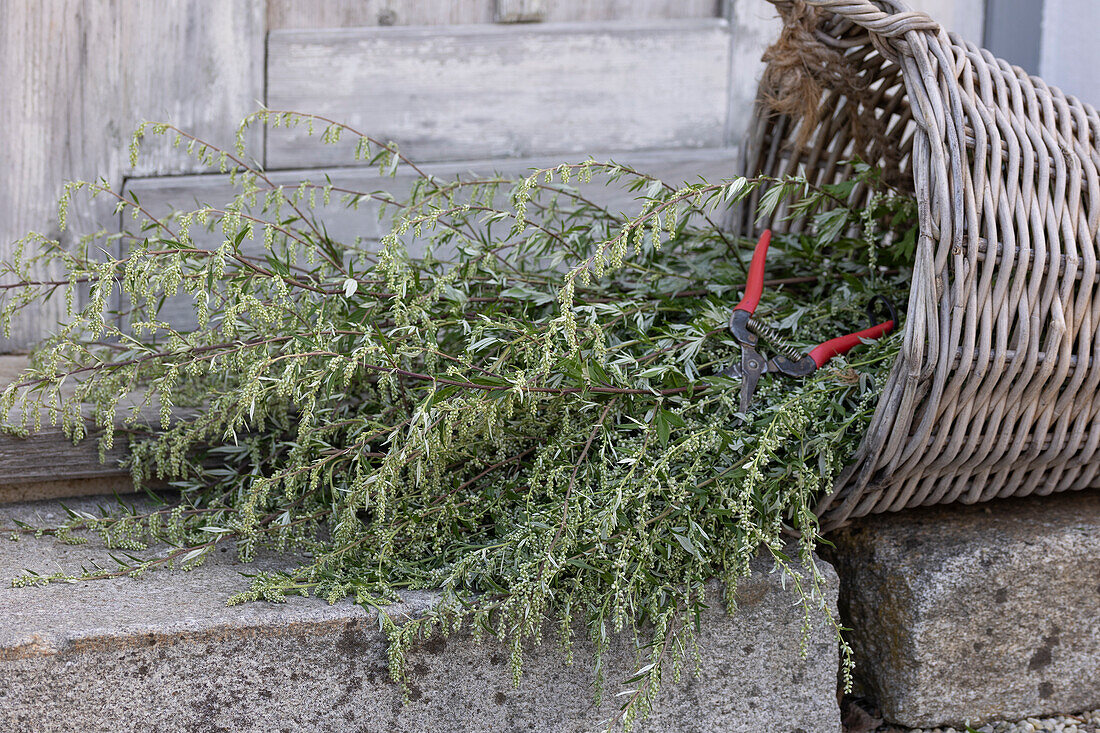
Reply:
x=755, y=286
x=843, y=344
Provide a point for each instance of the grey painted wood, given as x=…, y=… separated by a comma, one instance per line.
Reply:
x=48, y=464
x=301, y=14
x=48, y=456
x=521, y=11
x=493, y=91
x=576, y=10
x=162, y=195
x=754, y=25
x=1013, y=32
x=965, y=17
x=1070, y=53
x=78, y=76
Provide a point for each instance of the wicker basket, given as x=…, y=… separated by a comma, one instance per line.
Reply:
x=994, y=393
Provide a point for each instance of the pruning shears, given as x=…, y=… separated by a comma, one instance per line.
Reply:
x=748, y=330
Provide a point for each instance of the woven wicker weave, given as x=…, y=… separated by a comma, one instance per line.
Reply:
x=994, y=393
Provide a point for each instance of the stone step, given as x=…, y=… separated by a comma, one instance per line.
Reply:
x=976, y=613
x=165, y=653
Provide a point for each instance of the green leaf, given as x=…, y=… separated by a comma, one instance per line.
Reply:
x=770, y=199
x=596, y=373
x=673, y=419
x=829, y=225
x=688, y=546
x=663, y=427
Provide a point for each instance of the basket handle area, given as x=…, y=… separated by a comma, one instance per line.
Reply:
x=932, y=68
x=894, y=22
x=883, y=19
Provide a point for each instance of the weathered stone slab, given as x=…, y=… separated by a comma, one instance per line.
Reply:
x=976, y=613
x=165, y=653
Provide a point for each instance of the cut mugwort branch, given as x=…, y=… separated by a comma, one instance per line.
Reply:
x=513, y=397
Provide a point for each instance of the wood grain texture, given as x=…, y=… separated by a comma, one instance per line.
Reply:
x=162, y=195
x=576, y=10
x=60, y=488
x=520, y=11
x=47, y=464
x=304, y=14
x=503, y=91
x=965, y=17
x=49, y=456
x=754, y=25
x=79, y=75
x=1069, y=55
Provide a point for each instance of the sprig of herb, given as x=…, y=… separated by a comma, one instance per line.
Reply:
x=527, y=414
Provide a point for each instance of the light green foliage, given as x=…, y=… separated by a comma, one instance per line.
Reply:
x=527, y=417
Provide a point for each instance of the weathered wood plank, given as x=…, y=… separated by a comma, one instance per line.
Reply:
x=577, y=10
x=48, y=457
x=162, y=195
x=79, y=75
x=487, y=91
x=520, y=11
x=965, y=17
x=48, y=465
x=119, y=484
x=303, y=14
x=754, y=25
x=1069, y=54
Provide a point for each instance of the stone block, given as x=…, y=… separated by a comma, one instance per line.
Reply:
x=976, y=613
x=165, y=653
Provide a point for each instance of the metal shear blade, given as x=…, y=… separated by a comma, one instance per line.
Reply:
x=751, y=367
x=747, y=330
